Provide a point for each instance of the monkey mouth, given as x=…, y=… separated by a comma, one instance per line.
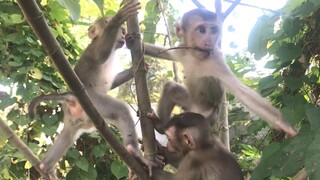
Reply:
x=202, y=50
x=120, y=43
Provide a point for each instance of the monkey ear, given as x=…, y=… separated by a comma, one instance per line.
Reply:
x=189, y=140
x=179, y=31
x=92, y=32
x=71, y=100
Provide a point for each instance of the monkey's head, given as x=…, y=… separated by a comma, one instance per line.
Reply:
x=96, y=30
x=186, y=132
x=199, y=29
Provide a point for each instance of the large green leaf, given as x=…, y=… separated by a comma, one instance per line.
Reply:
x=99, y=3
x=293, y=155
x=293, y=83
x=313, y=114
x=73, y=8
x=269, y=82
x=119, y=169
x=292, y=26
x=259, y=36
x=312, y=161
x=292, y=5
x=151, y=20
x=83, y=164
x=289, y=52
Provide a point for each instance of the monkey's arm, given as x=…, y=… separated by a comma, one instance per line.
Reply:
x=157, y=51
x=122, y=77
x=110, y=32
x=251, y=99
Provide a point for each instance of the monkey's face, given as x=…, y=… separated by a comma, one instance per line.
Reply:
x=175, y=144
x=121, y=37
x=202, y=35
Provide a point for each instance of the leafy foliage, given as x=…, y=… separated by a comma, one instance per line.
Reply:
x=291, y=39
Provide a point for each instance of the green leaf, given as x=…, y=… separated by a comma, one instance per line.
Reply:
x=99, y=3
x=293, y=101
x=256, y=126
x=259, y=36
x=293, y=83
x=73, y=8
x=292, y=156
x=288, y=52
x=152, y=17
x=312, y=161
x=16, y=18
x=99, y=150
x=273, y=64
x=50, y=119
x=5, y=162
x=7, y=102
x=292, y=26
x=49, y=130
x=73, y=174
x=83, y=164
x=292, y=5
x=269, y=82
x=119, y=169
x=313, y=114
x=73, y=153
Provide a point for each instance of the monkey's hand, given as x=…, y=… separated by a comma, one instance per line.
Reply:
x=287, y=128
x=165, y=157
x=128, y=9
x=137, y=154
x=158, y=124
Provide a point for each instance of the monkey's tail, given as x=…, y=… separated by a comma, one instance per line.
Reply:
x=36, y=101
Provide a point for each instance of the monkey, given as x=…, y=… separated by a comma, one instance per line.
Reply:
x=206, y=75
x=199, y=155
x=94, y=70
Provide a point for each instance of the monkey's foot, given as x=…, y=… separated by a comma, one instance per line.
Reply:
x=136, y=153
x=152, y=115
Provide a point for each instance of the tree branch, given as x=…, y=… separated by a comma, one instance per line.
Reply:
x=138, y=64
x=198, y=4
x=22, y=148
x=231, y=8
x=37, y=22
x=252, y=6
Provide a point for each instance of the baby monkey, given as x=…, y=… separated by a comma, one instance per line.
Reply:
x=207, y=75
x=197, y=154
x=94, y=69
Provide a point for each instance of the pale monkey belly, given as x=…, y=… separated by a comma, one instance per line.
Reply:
x=205, y=94
x=108, y=73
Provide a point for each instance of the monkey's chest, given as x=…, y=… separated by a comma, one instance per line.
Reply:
x=205, y=91
x=107, y=74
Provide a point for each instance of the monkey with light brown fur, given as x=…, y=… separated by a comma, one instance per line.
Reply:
x=206, y=75
x=94, y=69
x=198, y=155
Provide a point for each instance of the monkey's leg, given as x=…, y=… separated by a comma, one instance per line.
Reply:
x=172, y=94
x=63, y=142
x=119, y=114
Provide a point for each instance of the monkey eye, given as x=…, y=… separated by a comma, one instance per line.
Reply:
x=214, y=30
x=201, y=29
